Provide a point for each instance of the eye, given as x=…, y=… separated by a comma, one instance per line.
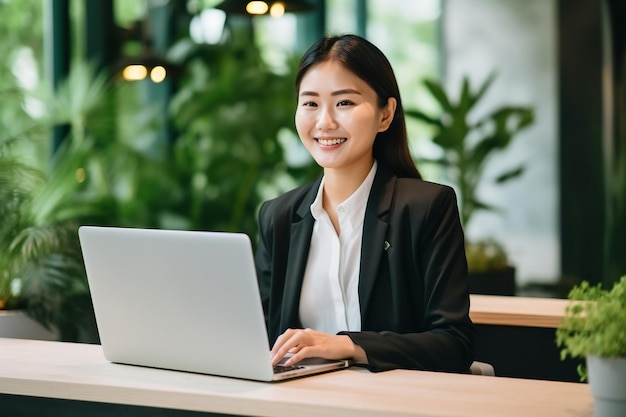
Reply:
x=345, y=103
x=309, y=104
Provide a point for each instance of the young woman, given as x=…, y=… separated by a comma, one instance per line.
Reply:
x=368, y=262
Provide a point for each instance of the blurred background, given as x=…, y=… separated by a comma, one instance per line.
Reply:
x=178, y=114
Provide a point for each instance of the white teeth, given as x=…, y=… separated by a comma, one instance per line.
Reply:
x=328, y=142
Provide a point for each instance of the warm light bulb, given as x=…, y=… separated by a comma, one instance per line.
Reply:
x=277, y=9
x=134, y=72
x=158, y=74
x=257, y=7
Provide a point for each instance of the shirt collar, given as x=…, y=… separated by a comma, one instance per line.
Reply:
x=353, y=205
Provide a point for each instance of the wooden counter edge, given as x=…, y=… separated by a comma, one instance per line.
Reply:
x=517, y=311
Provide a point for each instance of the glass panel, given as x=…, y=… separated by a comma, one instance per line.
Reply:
x=408, y=33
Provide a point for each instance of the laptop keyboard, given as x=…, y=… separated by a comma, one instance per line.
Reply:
x=282, y=368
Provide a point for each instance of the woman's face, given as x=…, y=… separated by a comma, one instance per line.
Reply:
x=338, y=117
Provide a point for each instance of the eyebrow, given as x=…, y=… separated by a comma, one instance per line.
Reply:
x=334, y=93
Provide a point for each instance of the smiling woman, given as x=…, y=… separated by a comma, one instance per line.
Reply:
x=368, y=262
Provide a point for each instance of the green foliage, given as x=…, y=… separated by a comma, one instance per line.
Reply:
x=467, y=145
x=229, y=114
x=230, y=127
x=21, y=43
x=485, y=255
x=594, y=322
x=228, y=136
x=233, y=127
x=42, y=201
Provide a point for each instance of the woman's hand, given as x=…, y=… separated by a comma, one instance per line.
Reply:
x=307, y=343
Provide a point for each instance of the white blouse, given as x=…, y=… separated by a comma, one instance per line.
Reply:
x=329, y=301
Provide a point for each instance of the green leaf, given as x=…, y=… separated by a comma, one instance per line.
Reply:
x=438, y=92
x=509, y=175
x=482, y=150
x=451, y=138
x=483, y=88
x=437, y=161
x=594, y=322
x=480, y=205
x=424, y=117
x=466, y=101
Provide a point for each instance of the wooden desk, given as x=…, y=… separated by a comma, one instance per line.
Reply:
x=79, y=372
x=517, y=311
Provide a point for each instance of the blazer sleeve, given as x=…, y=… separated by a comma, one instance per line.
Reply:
x=438, y=275
x=273, y=252
x=263, y=261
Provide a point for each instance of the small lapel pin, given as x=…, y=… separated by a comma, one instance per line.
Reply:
x=387, y=245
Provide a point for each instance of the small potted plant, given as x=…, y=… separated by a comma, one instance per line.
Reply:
x=467, y=144
x=489, y=269
x=594, y=329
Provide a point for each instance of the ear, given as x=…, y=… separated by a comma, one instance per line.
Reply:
x=387, y=114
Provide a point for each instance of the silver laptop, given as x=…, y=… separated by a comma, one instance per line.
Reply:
x=182, y=300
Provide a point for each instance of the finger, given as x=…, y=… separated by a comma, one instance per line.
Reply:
x=279, y=352
x=303, y=353
x=281, y=340
x=278, y=355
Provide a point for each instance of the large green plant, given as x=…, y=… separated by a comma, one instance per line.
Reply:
x=233, y=127
x=468, y=143
x=230, y=131
x=42, y=202
x=233, y=117
x=594, y=323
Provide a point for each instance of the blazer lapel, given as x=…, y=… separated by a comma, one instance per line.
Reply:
x=299, y=244
x=375, y=233
x=373, y=245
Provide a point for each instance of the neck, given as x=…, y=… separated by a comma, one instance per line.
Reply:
x=340, y=184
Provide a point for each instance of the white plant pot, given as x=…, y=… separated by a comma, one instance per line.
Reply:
x=607, y=381
x=16, y=324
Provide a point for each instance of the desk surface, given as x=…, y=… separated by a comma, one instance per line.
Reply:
x=517, y=311
x=80, y=372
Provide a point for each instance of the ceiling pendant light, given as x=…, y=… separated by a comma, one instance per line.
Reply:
x=146, y=63
x=275, y=8
x=257, y=7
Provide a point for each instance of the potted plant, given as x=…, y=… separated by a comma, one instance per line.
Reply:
x=39, y=265
x=489, y=269
x=41, y=206
x=594, y=329
x=467, y=144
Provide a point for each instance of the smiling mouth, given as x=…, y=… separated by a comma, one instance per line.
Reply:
x=330, y=142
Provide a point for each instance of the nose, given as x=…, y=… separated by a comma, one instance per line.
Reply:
x=325, y=120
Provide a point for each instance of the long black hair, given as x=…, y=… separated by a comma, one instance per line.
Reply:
x=367, y=62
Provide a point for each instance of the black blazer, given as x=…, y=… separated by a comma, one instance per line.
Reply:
x=413, y=287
